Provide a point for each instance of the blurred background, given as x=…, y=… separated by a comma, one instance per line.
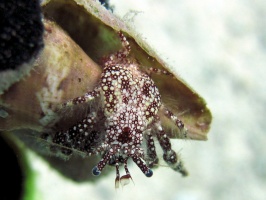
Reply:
x=219, y=48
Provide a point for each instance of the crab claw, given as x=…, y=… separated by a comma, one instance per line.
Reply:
x=149, y=173
x=96, y=171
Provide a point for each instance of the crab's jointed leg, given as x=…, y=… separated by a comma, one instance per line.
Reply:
x=170, y=155
x=152, y=158
x=82, y=99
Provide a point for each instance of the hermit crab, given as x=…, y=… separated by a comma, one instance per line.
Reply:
x=129, y=110
x=106, y=93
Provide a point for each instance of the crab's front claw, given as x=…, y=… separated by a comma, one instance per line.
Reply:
x=96, y=171
x=149, y=173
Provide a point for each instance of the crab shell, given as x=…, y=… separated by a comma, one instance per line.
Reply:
x=80, y=34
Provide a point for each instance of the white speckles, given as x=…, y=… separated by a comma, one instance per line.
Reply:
x=105, y=87
x=159, y=128
x=115, y=83
x=173, y=117
x=114, y=143
x=107, y=74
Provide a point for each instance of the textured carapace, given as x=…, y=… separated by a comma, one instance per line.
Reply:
x=128, y=110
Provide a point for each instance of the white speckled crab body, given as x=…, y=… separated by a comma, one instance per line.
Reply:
x=130, y=102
